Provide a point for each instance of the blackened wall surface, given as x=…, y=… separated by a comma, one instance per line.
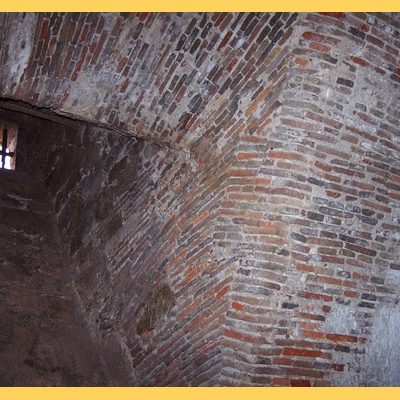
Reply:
x=44, y=340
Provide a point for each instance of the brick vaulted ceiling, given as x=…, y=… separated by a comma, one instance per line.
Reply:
x=172, y=78
x=192, y=81
x=301, y=114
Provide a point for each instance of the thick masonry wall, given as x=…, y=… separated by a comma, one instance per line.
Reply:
x=138, y=223
x=43, y=338
x=249, y=233
x=321, y=233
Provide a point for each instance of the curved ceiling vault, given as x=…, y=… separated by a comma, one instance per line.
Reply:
x=171, y=78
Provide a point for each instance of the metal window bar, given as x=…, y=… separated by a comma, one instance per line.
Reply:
x=4, y=152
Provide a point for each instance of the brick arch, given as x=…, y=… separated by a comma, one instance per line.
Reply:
x=158, y=76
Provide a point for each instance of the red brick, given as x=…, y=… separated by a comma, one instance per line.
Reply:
x=316, y=37
x=312, y=334
x=350, y=293
x=325, y=279
x=97, y=50
x=237, y=306
x=249, y=156
x=301, y=61
x=225, y=40
x=360, y=61
x=341, y=338
x=282, y=361
x=243, y=172
x=322, y=383
x=84, y=33
x=337, y=15
x=300, y=383
x=121, y=64
x=281, y=381
x=332, y=259
x=301, y=352
x=308, y=325
x=245, y=337
x=264, y=194
x=255, y=103
x=222, y=292
x=44, y=29
x=379, y=207
x=315, y=296
x=327, y=121
x=320, y=47
x=286, y=155
x=125, y=85
x=360, y=277
x=286, y=36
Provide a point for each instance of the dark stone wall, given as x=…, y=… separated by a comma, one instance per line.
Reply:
x=137, y=221
x=44, y=340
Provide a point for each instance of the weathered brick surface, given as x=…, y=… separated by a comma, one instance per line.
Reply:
x=149, y=74
x=265, y=192
x=133, y=216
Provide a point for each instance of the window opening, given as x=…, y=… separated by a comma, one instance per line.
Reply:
x=8, y=144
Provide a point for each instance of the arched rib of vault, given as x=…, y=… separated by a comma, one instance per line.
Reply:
x=164, y=77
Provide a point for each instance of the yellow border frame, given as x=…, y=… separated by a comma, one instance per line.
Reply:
x=204, y=5
x=198, y=393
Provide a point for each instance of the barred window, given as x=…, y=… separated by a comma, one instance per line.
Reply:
x=8, y=144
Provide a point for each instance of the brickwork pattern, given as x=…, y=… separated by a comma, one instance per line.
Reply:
x=312, y=202
x=134, y=216
x=149, y=74
x=271, y=208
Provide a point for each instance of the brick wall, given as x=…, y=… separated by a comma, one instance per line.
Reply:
x=262, y=188
x=314, y=205
x=134, y=217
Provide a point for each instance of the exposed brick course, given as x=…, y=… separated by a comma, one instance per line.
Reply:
x=263, y=185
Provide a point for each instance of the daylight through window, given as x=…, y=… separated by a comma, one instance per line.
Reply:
x=8, y=144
